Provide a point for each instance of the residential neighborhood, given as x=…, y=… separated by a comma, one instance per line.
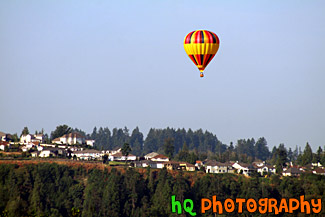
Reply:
x=75, y=146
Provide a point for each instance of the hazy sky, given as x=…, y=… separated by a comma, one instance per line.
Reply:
x=122, y=63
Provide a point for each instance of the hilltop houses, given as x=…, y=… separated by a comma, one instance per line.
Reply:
x=28, y=138
x=70, y=139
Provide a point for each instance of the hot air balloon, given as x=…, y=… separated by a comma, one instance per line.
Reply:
x=201, y=46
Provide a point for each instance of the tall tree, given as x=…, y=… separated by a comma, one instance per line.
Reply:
x=136, y=141
x=25, y=131
x=126, y=149
x=261, y=150
x=169, y=147
x=307, y=156
x=60, y=131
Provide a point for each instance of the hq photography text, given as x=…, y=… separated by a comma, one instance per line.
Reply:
x=262, y=206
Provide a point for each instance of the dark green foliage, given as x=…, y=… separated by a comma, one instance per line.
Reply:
x=57, y=190
x=25, y=131
x=169, y=147
x=60, y=131
x=126, y=149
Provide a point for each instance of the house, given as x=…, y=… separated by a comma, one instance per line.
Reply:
x=70, y=139
x=38, y=138
x=319, y=171
x=47, y=145
x=3, y=145
x=218, y=167
x=28, y=138
x=119, y=157
x=199, y=164
x=246, y=169
x=318, y=164
x=90, y=142
x=116, y=150
x=172, y=165
x=5, y=137
x=150, y=155
x=35, y=153
x=143, y=163
x=88, y=154
x=258, y=163
x=48, y=153
x=2, y=136
x=292, y=171
x=160, y=157
x=266, y=169
x=151, y=164
x=187, y=166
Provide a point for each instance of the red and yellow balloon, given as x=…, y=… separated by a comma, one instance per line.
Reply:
x=201, y=46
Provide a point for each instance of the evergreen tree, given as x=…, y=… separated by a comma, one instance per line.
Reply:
x=169, y=147
x=307, y=156
x=60, y=131
x=25, y=131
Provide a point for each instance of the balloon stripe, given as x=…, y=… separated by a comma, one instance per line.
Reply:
x=188, y=38
x=202, y=37
x=202, y=58
x=216, y=38
x=210, y=58
x=205, y=59
x=193, y=59
x=210, y=37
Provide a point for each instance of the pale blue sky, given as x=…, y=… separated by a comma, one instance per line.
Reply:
x=122, y=63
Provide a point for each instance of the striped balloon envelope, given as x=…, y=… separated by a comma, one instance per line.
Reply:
x=201, y=46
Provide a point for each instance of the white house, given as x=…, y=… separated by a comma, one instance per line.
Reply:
x=292, y=171
x=116, y=150
x=150, y=155
x=152, y=164
x=4, y=144
x=319, y=171
x=160, y=157
x=90, y=142
x=218, y=167
x=266, y=169
x=38, y=138
x=5, y=137
x=35, y=153
x=47, y=153
x=71, y=139
x=247, y=169
x=47, y=145
x=318, y=164
x=88, y=154
x=26, y=138
x=119, y=157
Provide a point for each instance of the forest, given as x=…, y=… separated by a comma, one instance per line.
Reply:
x=46, y=189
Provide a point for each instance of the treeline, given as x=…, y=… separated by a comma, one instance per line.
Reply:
x=189, y=146
x=198, y=141
x=58, y=190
